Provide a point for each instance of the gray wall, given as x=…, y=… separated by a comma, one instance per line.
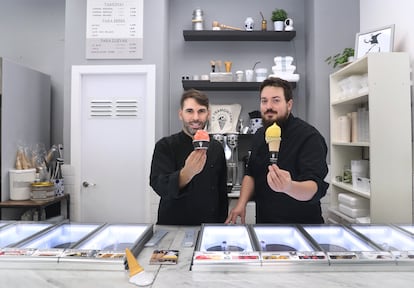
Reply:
x=328, y=33
x=32, y=34
x=49, y=35
x=189, y=58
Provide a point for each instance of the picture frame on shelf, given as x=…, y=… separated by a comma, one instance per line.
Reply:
x=376, y=40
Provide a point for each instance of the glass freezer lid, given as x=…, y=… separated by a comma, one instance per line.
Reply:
x=388, y=238
x=335, y=238
x=225, y=238
x=62, y=236
x=409, y=228
x=221, y=244
x=19, y=231
x=115, y=237
x=281, y=238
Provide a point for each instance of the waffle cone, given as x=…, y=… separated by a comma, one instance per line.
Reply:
x=134, y=267
x=274, y=145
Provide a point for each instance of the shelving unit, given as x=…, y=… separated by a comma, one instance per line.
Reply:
x=206, y=85
x=229, y=35
x=389, y=147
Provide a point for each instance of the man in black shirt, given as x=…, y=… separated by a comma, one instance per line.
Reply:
x=289, y=191
x=192, y=183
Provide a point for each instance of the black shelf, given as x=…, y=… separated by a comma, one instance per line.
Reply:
x=207, y=85
x=229, y=35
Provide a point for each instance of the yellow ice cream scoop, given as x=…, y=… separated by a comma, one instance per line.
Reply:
x=273, y=132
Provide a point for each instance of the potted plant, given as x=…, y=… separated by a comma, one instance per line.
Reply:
x=346, y=56
x=278, y=17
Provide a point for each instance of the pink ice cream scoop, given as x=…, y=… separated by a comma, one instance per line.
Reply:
x=201, y=140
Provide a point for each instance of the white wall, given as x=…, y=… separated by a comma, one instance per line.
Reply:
x=379, y=13
x=32, y=34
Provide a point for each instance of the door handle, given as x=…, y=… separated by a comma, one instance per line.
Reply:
x=87, y=184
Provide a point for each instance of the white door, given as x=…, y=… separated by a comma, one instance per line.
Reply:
x=112, y=140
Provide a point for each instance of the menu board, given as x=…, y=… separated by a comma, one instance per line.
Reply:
x=114, y=29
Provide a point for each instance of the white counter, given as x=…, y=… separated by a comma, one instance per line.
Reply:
x=180, y=275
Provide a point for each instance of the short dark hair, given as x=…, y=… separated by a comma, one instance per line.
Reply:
x=200, y=97
x=278, y=82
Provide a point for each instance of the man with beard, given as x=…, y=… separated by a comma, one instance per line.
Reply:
x=289, y=191
x=192, y=183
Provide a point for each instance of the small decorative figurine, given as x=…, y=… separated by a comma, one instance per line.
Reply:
x=249, y=24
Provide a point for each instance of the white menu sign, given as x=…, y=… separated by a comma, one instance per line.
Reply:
x=114, y=29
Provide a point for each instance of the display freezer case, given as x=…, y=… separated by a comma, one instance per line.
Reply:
x=348, y=251
x=12, y=234
x=400, y=243
x=287, y=248
x=105, y=249
x=49, y=245
x=225, y=247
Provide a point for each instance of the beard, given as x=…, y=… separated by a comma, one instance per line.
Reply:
x=191, y=131
x=280, y=119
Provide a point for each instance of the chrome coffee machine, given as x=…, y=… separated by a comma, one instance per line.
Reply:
x=232, y=158
x=236, y=148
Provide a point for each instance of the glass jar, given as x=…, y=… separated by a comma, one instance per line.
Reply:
x=42, y=191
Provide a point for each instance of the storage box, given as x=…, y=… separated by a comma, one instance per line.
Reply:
x=353, y=201
x=221, y=77
x=353, y=212
x=362, y=184
x=20, y=181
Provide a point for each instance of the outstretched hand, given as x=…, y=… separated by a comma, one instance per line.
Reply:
x=279, y=180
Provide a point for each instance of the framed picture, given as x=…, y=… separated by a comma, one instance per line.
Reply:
x=378, y=40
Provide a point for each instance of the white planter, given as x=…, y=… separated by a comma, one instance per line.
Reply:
x=279, y=25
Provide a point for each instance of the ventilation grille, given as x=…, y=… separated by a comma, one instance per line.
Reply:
x=114, y=109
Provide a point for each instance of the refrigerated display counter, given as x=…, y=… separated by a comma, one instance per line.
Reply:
x=287, y=248
x=182, y=274
x=398, y=242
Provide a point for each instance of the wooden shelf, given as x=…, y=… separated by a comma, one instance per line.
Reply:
x=229, y=35
x=206, y=85
x=37, y=204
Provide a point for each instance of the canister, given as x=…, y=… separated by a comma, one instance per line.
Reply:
x=42, y=191
x=197, y=20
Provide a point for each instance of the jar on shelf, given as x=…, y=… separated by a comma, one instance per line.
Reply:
x=198, y=21
x=42, y=191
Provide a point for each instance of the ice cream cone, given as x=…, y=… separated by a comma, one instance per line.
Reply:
x=272, y=137
x=137, y=275
x=274, y=144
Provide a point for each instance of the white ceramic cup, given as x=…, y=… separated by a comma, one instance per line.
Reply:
x=239, y=76
x=249, y=75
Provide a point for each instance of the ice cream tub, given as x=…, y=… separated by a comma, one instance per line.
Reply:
x=201, y=140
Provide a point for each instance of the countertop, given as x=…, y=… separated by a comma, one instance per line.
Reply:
x=180, y=275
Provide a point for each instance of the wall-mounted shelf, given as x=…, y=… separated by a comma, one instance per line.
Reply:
x=206, y=85
x=228, y=35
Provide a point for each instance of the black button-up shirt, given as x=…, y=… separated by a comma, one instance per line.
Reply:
x=204, y=198
x=303, y=153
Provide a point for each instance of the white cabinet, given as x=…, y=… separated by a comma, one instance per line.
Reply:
x=387, y=145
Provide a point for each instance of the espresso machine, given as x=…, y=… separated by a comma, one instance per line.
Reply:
x=232, y=159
